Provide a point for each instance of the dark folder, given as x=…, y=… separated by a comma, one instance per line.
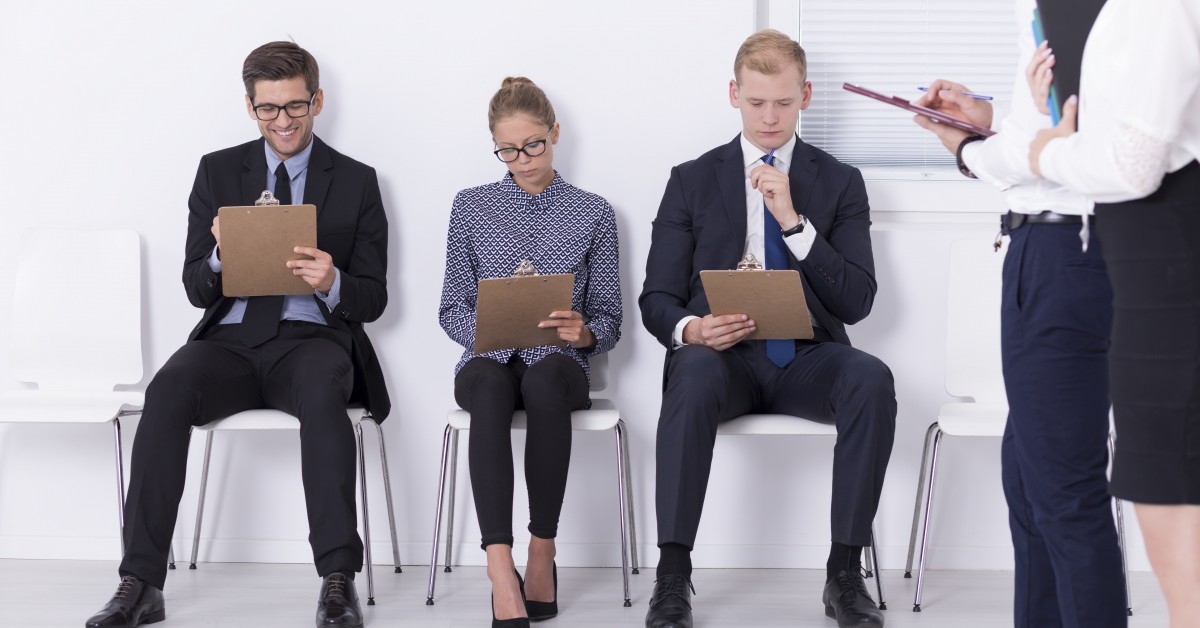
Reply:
x=1065, y=24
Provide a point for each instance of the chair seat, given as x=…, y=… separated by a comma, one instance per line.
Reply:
x=783, y=424
x=603, y=415
x=973, y=419
x=51, y=406
x=266, y=419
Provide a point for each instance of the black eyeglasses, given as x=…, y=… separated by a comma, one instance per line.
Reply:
x=532, y=149
x=294, y=109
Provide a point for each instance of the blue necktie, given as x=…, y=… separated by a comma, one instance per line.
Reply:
x=781, y=352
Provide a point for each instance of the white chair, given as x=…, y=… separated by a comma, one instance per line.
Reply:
x=788, y=425
x=77, y=332
x=266, y=419
x=973, y=369
x=603, y=415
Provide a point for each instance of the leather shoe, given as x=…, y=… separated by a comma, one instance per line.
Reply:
x=338, y=603
x=135, y=603
x=671, y=604
x=846, y=600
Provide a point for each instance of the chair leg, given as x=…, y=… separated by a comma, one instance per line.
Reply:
x=873, y=556
x=450, y=496
x=171, y=556
x=387, y=495
x=1121, y=535
x=437, y=515
x=366, y=513
x=868, y=564
x=120, y=462
x=633, y=556
x=622, y=507
x=937, y=442
x=208, y=438
x=912, y=537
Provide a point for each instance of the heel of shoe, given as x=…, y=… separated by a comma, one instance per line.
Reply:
x=155, y=617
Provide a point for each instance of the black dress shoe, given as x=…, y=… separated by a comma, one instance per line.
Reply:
x=338, y=603
x=515, y=622
x=538, y=611
x=671, y=604
x=135, y=603
x=846, y=600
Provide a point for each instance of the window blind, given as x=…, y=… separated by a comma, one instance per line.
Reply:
x=893, y=46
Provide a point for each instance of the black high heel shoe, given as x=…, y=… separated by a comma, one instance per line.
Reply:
x=515, y=622
x=544, y=610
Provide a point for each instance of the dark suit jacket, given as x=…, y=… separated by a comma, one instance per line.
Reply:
x=701, y=225
x=351, y=227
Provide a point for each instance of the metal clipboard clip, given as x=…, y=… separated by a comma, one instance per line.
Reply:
x=749, y=262
x=266, y=199
x=525, y=269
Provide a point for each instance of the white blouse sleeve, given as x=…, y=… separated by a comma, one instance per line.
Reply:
x=1140, y=80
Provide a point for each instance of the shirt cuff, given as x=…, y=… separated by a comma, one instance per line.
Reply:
x=334, y=296
x=801, y=243
x=214, y=262
x=1047, y=161
x=678, y=335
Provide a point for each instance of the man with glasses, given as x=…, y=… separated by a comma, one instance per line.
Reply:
x=792, y=206
x=304, y=354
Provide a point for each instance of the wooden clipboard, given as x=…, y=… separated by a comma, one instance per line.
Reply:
x=508, y=310
x=773, y=299
x=257, y=243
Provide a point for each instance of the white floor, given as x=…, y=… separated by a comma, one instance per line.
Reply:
x=228, y=595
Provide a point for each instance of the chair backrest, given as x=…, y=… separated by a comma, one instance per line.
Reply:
x=77, y=309
x=973, y=365
x=599, y=369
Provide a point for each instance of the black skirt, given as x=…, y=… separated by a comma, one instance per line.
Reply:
x=1152, y=250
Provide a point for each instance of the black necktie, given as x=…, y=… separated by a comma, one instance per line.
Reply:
x=260, y=322
x=781, y=352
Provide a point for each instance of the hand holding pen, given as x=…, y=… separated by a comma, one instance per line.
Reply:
x=957, y=100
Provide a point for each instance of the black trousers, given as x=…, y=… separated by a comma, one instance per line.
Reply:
x=827, y=382
x=305, y=371
x=1056, y=315
x=548, y=391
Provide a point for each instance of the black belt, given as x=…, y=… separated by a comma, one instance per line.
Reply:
x=1011, y=221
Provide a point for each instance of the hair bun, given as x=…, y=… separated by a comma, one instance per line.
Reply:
x=512, y=81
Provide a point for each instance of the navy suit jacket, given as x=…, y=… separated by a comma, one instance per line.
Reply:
x=701, y=225
x=351, y=227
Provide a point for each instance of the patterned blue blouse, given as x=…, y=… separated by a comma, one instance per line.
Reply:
x=561, y=230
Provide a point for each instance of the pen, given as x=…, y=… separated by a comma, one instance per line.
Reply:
x=975, y=96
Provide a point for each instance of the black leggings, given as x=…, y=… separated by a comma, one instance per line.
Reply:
x=548, y=391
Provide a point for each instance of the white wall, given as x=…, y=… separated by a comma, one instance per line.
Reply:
x=107, y=108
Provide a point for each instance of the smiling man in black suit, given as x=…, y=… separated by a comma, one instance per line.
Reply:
x=794, y=207
x=304, y=354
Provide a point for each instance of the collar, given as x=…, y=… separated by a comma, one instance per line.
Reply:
x=752, y=155
x=514, y=191
x=296, y=164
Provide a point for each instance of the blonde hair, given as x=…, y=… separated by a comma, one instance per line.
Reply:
x=518, y=94
x=764, y=51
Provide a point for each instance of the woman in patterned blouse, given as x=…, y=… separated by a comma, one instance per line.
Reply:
x=530, y=214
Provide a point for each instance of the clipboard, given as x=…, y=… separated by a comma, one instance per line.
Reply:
x=508, y=309
x=773, y=299
x=257, y=243
x=1067, y=24
x=897, y=101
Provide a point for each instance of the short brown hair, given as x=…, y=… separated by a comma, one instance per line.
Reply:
x=518, y=94
x=763, y=51
x=279, y=61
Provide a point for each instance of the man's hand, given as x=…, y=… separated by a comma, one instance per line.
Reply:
x=1039, y=75
x=570, y=328
x=777, y=194
x=718, y=332
x=318, y=272
x=216, y=231
x=949, y=98
x=1065, y=127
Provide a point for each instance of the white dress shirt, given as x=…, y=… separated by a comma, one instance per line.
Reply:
x=1139, y=111
x=1003, y=159
x=799, y=243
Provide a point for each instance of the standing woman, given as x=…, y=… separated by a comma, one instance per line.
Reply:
x=1136, y=155
x=530, y=214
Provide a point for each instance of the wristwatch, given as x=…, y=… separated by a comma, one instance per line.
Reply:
x=799, y=228
x=962, y=167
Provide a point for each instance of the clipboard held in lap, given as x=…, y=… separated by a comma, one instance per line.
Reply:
x=508, y=309
x=257, y=243
x=773, y=299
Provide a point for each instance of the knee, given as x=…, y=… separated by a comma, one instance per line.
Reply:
x=548, y=378
x=868, y=375
x=696, y=368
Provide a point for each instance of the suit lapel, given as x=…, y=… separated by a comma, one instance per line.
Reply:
x=803, y=176
x=254, y=173
x=320, y=174
x=731, y=179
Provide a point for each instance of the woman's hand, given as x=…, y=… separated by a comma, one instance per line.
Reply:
x=571, y=329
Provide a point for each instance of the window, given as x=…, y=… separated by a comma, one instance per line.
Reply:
x=893, y=47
